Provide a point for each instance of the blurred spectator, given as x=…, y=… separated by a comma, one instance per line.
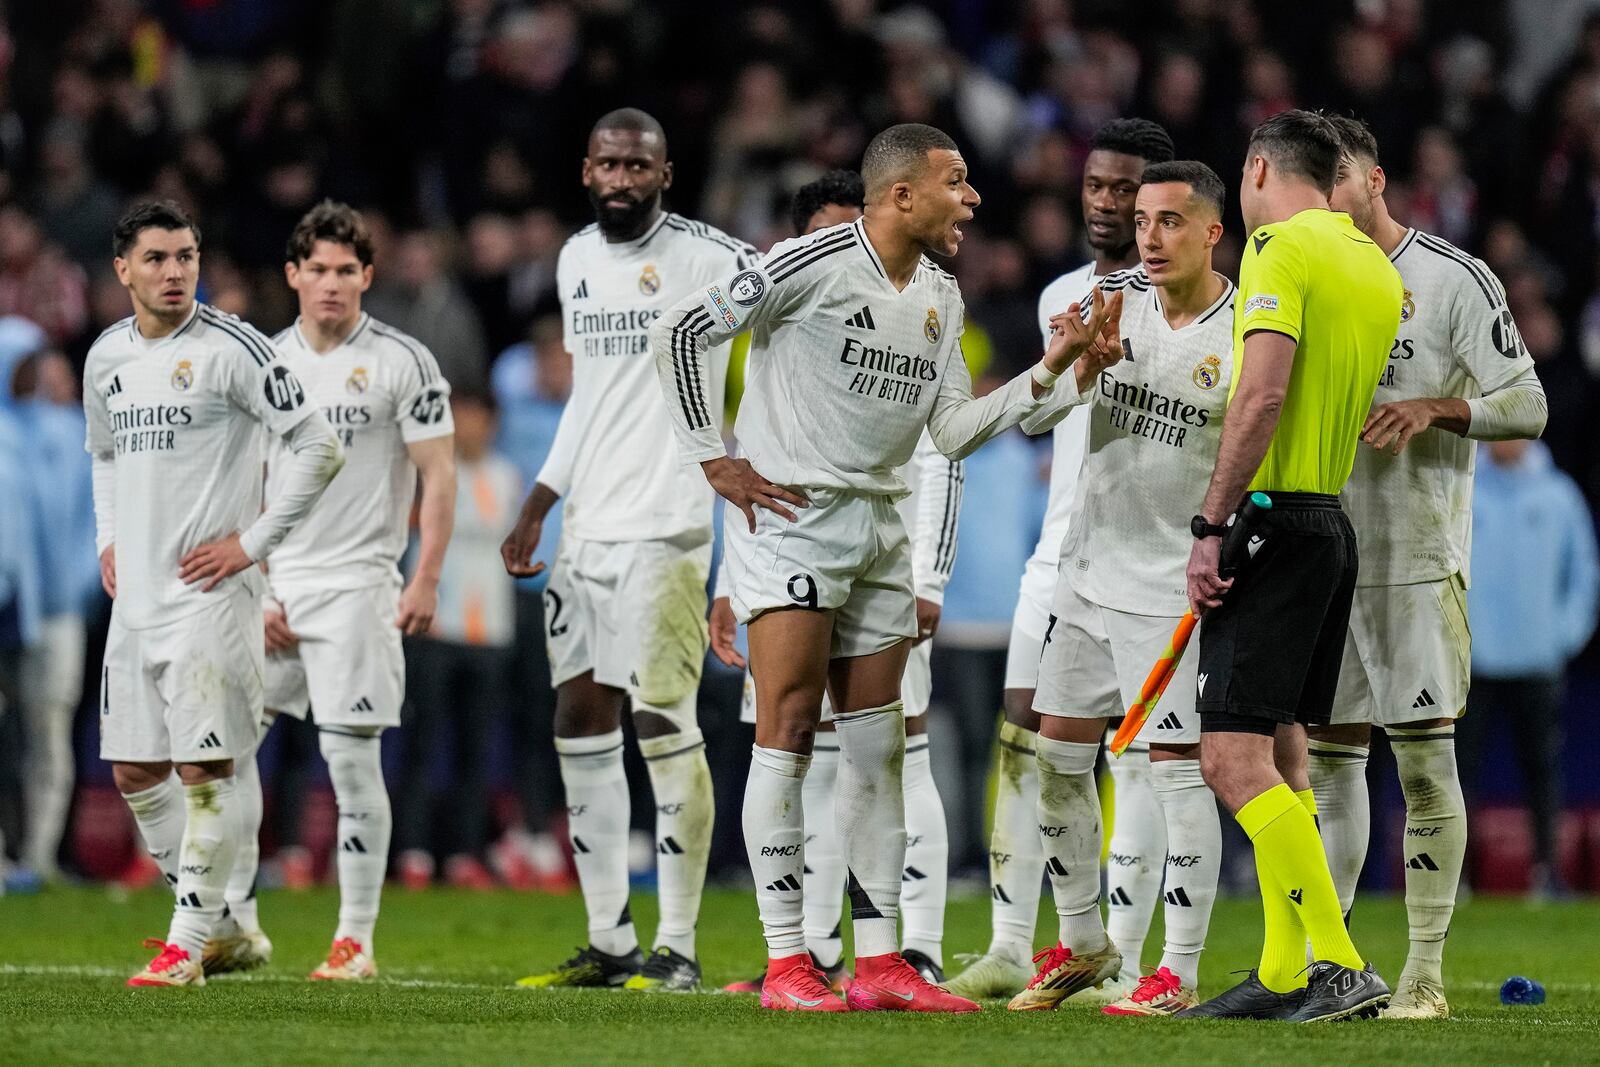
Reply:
x=37, y=281
x=76, y=207
x=458, y=676
x=416, y=293
x=1535, y=591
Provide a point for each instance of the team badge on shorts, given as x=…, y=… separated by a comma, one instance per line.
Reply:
x=930, y=327
x=183, y=377
x=1208, y=372
x=356, y=384
x=748, y=289
x=1408, y=305
x=649, y=280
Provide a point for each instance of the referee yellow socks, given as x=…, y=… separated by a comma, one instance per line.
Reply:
x=1298, y=898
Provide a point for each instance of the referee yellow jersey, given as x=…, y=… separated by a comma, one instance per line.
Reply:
x=1322, y=282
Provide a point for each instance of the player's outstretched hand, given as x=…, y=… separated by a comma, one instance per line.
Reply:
x=279, y=637
x=108, y=571
x=928, y=614
x=214, y=562
x=1205, y=581
x=724, y=630
x=523, y=540
x=1092, y=345
x=419, y=602
x=742, y=486
x=1391, y=427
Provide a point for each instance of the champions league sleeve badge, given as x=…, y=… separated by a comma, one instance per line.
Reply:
x=748, y=289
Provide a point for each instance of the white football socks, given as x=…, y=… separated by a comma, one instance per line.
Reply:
x=1344, y=817
x=774, y=839
x=871, y=815
x=355, y=764
x=159, y=813
x=1016, y=859
x=1134, y=860
x=680, y=778
x=1435, y=843
x=925, y=882
x=824, y=862
x=210, y=839
x=1194, y=859
x=597, y=824
x=1069, y=830
x=241, y=894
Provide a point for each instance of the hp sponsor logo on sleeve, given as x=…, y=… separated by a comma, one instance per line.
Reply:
x=283, y=389
x=429, y=407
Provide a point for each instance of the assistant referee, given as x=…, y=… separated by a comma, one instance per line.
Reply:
x=1317, y=310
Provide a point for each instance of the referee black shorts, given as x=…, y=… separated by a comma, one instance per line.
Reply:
x=1270, y=654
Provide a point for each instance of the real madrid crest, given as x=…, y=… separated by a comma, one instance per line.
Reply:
x=1208, y=372
x=649, y=280
x=930, y=326
x=1408, y=305
x=183, y=377
x=356, y=384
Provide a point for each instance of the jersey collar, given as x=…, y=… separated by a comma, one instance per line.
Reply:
x=154, y=342
x=300, y=337
x=1405, y=243
x=1221, y=302
x=624, y=247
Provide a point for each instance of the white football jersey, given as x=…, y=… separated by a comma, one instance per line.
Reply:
x=1155, y=424
x=1412, y=513
x=1067, y=443
x=845, y=371
x=613, y=460
x=181, y=418
x=380, y=390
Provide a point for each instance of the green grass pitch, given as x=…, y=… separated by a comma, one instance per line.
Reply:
x=448, y=960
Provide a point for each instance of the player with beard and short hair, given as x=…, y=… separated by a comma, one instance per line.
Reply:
x=856, y=351
x=176, y=397
x=1458, y=374
x=625, y=609
x=1118, y=155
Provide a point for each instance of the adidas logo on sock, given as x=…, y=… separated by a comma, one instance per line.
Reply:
x=1424, y=700
x=1171, y=722
x=582, y=291
x=353, y=844
x=911, y=874
x=787, y=884
x=1056, y=867
x=1422, y=862
x=190, y=900
x=669, y=847
x=1296, y=895
x=210, y=740
x=579, y=846
x=1119, y=897
x=1177, y=897
x=862, y=318
x=999, y=895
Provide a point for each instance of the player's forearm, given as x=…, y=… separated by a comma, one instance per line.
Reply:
x=679, y=341
x=539, y=502
x=959, y=424
x=1518, y=409
x=436, y=519
x=1246, y=435
x=315, y=458
x=105, y=502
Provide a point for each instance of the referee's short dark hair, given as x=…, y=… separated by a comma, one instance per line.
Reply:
x=331, y=221
x=1201, y=179
x=1355, y=137
x=1303, y=143
x=1147, y=140
x=842, y=187
x=150, y=215
x=901, y=152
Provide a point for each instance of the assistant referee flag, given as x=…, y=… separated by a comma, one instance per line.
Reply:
x=1320, y=281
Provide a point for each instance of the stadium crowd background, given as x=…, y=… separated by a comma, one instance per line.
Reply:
x=458, y=127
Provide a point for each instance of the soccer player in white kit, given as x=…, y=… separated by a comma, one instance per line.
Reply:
x=833, y=405
x=176, y=397
x=1458, y=373
x=625, y=609
x=931, y=513
x=1155, y=423
x=337, y=608
x=1118, y=154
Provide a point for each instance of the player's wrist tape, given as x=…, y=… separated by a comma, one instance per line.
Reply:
x=1043, y=376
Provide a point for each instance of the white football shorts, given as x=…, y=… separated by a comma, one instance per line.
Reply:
x=349, y=668
x=1407, y=654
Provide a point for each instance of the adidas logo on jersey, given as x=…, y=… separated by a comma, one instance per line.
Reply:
x=362, y=705
x=210, y=740
x=862, y=319
x=1422, y=862
x=1177, y=897
x=115, y=387
x=669, y=847
x=1424, y=700
x=1171, y=722
x=1119, y=897
x=787, y=884
x=582, y=291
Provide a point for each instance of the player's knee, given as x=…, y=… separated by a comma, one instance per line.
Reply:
x=1018, y=705
x=138, y=777
x=1067, y=728
x=660, y=720
x=355, y=766
x=1358, y=734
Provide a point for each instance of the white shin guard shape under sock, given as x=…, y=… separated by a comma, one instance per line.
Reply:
x=1435, y=842
x=210, y=839
x=775, y=841
x=680, y=778
x=926, y=881
x=597, y=826
x=1194, y=860
x=1069, y=830
x=1135, y=858
x=870, y=811
x=1016, y=861
x=160, y=815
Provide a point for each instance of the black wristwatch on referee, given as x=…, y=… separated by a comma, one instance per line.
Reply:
x=1203, y=529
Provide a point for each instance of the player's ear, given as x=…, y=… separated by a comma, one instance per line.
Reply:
x=1377, y=180
x=1213, y=233
x=366, y=277
x=291, y=273
x=587, y=173
x=900, y=194
x=666, y=175
x=120, y=266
